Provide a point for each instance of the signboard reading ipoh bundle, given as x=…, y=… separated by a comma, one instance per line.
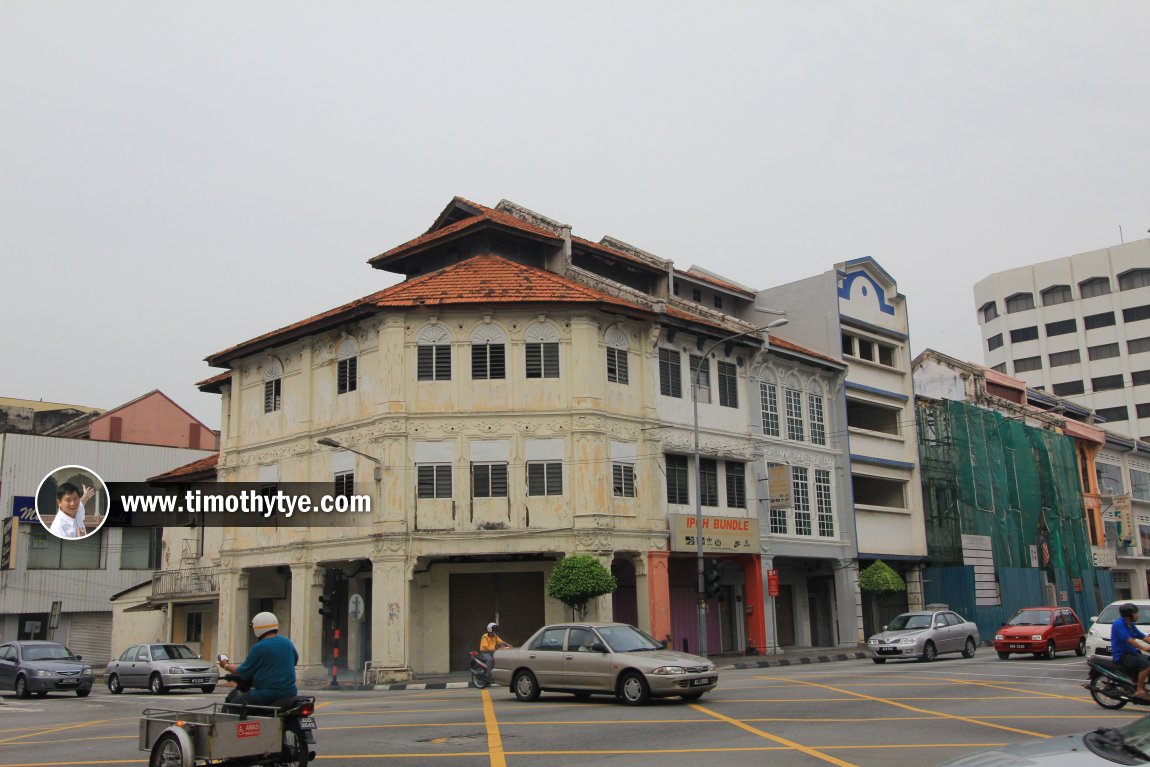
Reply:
x=726, y=535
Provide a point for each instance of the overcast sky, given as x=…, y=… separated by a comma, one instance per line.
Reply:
x=179, y=177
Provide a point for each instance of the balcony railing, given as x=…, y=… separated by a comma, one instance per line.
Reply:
x=190, y=581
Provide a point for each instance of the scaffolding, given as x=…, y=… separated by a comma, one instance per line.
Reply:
x=1000, y=479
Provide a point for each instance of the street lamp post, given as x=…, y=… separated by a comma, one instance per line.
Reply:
x=329, y=442
x=700, y=558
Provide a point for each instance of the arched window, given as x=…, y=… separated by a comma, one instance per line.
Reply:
x=1057, y=294
x=273, y=376
x=1135, y=278
x=769, y=405
x=542, y=351
x=488, y=353
x=433, y=358
x=1019, y=302
x=1095, y=286
x=347, y=367
x=616, y=342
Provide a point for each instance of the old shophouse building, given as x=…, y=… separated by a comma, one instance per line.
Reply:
x=525, y=394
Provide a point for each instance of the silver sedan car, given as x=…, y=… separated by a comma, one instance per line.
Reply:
x=604, y=658
x=925, y=636
x=159, y=668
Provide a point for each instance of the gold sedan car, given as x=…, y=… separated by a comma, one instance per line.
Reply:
x=601, y=658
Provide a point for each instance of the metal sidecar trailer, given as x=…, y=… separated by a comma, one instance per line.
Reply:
x=227, y=733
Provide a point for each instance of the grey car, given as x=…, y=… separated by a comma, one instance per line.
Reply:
x=159, y=667
x=924, y=636
x=606, y=658
x=43, y=667
x=1102, y=747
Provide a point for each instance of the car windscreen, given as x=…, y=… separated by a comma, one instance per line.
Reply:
x=1030, y=618
x=172, y=652
x=627, y=639
x=909, y=622
x=48, y=652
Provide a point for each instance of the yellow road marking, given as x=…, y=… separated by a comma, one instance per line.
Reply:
x=1039, y=693
x=763, y=734
x=51, y=730
x=621, y=752
x=966, y=719
x=494, y=739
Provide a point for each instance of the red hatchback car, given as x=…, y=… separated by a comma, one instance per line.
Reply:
x=1041, y=631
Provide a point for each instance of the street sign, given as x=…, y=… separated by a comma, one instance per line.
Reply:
x=355, y=607
x=772, y=583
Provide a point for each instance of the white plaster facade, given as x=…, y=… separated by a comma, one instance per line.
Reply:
x=1077, y=327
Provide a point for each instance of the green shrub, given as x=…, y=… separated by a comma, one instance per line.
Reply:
x=881, y=579
x=577, y=580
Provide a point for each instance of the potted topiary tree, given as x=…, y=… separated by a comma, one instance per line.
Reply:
x=577, y=580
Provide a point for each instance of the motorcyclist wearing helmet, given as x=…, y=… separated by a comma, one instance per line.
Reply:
x=270, y=666
x=488, y=644
x=1126, y=645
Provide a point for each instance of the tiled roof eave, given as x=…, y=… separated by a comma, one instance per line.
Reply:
x=428, y=241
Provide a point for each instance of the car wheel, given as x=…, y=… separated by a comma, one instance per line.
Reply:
x=22, y=690
x=1004, y=656
x=692, y=696
x=208, y=689
x=1080, y=650
x=1105, y=693
x=879, y=660
x=970, y=649
x=83, y=693
x=1050, y=651
x=114, y=685
x=633, y=689
x=526, y=686
x=156, y=685
x=929, y=653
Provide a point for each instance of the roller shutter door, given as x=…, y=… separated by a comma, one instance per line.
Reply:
x=90, y=635
x=514, y=599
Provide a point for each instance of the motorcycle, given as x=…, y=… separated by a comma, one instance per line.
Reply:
x=480, y=673
x=233, y=733
x=1110, y=686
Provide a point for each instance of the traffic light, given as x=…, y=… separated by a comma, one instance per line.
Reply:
x=326, y=604
x=712, y=579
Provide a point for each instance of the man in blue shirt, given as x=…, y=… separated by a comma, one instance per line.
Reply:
x=1126, y=645
x=270, y=666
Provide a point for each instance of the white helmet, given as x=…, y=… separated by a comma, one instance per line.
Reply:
x=264, y=623
x=491, y=627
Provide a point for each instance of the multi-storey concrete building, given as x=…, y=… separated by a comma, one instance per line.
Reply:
x=1076, y=327
x=526, y=394
x=1123, y=487
x=856, y=310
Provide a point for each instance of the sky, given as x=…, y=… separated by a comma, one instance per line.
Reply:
x=178, y=177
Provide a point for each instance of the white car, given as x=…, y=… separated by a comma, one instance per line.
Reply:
x=1098, y=637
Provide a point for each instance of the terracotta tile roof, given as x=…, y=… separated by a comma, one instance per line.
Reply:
x=212, y=385
x=493, y=279
x=715, y=281
x=679, y=314
x=202, y=466
x=776, y=342
x=486, y=216
x=477, y=281
x=612, y=253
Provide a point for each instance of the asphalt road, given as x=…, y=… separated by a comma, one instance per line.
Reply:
x=844, y=713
